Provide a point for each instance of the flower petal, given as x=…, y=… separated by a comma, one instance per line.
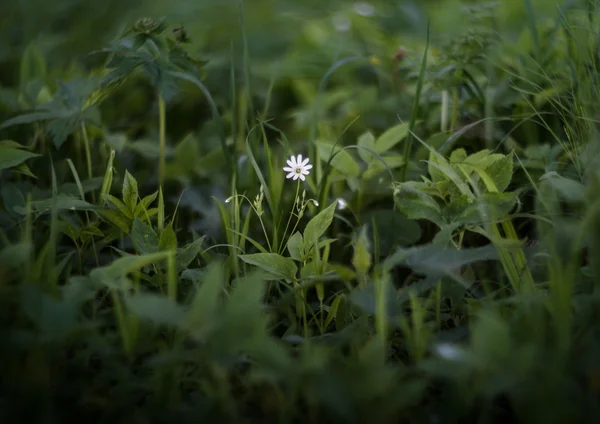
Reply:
x=288, y=169
x=305, y=171
x=307, y=167
x=290, y=175
x=291, y=161
x=302, y=177
x=295, y=176
x=304, y=162
x=299, y=160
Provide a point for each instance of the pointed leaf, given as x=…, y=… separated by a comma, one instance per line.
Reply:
x=274, y=264
x=155, y=308
x=143, y=237
x=317, y=226
x=295, y=246
x=130, y=191
x=11, y=157
x=391, y=137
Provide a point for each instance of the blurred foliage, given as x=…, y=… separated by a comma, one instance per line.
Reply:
x=440, y=263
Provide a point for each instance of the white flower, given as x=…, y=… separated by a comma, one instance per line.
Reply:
x=297, y=168
x=342, y=204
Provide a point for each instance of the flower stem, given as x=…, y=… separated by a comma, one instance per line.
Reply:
x=290, y=218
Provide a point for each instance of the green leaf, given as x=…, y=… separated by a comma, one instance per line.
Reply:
x=418, y=205
x=117, y=219
x=441, y=170
x=295, y=246
x=317, y=226
x=113, y=275
x=186, y=255
x=143, y=237
x=391, y=137
x=568, y=189
x=33, y=64
x=205, y=303
x=168, y=238
x=11, y=157
x=501, y=171
x=361, y=260
x=130, y=191
x=274, y=264
x=367, y=140
x=118, y=204
x=437, y=260
x=458, y=156
x=155, y=308
x=143, y=206
x=342, y=161
x=25, y=170
x=376, y=167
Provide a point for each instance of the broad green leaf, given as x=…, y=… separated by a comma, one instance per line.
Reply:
x=117, y=219
x=317, y=226
x=155, y=308
x=568, y=189
x=143, y=237
x=33, y=64
x=391, y=137
x=112, y=275
x=274, y=264
x=440, y=170
x=118, y=204
x=366, y=139
x=130, y=191
x=295, y=246
x=416, y=206
x=205, y=303
x=476, y=158
x=143, y=206
x=361, y=259
x=437, y=260
x=168, y=238
x=501, y=171
x=11, y=157
x=10, y=144
x=376, y=167
x=242, y=326
x=458, y=155
x=186, y=255
x=342, y=161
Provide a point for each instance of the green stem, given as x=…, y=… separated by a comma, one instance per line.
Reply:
x=88, y=154
x=291, y=214
x=162, y=131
